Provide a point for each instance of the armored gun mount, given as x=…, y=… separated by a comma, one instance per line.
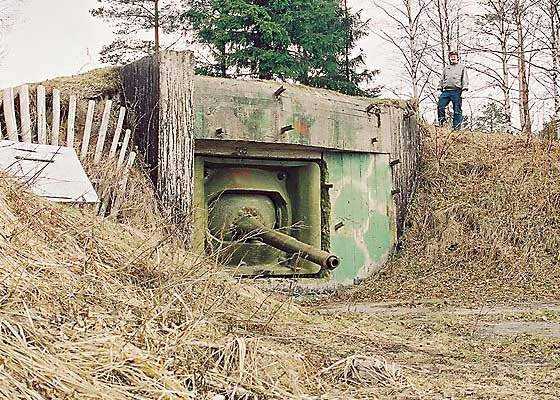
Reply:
x=266, y=217
x=331, y=171
x=249, y=224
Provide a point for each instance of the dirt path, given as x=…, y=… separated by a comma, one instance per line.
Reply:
x=453, y=352
x=536, y=319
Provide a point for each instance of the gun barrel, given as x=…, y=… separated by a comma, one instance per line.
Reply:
x=248, y=224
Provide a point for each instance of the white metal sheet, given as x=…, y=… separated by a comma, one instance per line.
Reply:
x=53, y=172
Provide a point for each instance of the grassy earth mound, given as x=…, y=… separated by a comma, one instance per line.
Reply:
x=95, y=84
x=97, y=309
x=484, y=226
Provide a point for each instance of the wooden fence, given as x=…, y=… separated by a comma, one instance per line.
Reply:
x=33, y=127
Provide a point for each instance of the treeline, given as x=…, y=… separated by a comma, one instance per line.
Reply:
x=309, y=42
x=511, y=45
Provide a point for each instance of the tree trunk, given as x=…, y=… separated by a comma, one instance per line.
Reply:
x=160, y=96
x=447, y=25
x=442, y=32
x=156, y=26
x=412, y=49
x=505, y=68
x=524, y=111
x=347, y=44
x=507, y=97
x=554, y=73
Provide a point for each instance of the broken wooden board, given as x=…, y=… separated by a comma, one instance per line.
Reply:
x=52, y=172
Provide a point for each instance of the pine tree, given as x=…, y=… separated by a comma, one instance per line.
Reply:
x=491, y=119
x=311, y=42
x=137, y=25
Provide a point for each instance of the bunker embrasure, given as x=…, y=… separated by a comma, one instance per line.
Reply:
x=317, y=174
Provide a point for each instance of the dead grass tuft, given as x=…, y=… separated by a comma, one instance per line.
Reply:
x=95, y=84
x=364, y=371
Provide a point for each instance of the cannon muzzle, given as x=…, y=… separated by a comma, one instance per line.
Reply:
x=249, y=224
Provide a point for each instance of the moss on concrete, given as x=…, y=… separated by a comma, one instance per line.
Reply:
x=325, y=208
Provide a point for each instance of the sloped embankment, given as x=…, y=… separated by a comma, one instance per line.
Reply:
x=94, y=309
x=485, y=224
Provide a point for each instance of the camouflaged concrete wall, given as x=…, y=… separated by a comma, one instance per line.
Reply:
x=363, y=215
x=370, y=149
x=229, y=109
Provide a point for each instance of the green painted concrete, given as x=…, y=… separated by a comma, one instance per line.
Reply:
x=252, y=114
x=248, y=110
x=362, y=232
x=359, y=208
x=357, y=215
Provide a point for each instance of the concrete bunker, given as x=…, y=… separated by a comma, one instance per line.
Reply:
x=333, y=172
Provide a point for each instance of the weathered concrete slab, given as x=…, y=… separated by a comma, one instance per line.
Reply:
x=229, y=109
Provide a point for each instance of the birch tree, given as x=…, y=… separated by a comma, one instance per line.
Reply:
x=549, y=35
x=519, y=14
x=494, y=47
x=444, y=21
x=408, y=37
x=554, y=18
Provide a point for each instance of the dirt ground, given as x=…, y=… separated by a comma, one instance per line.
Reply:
x=451, y=352
x=481, y=230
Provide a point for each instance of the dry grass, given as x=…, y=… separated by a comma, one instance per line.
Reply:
x=136, y=206
x=94, y=84
x=93, y=308
x=485, y=225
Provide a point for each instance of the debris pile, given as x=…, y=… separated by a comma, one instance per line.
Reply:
x=485, y=224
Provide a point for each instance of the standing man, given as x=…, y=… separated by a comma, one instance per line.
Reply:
x=453, y=82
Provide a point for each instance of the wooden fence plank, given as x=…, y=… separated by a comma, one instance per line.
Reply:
x=41, y=115
x=124, y=148
x=10, y=114
x=130, y=163
x=87, y=129
x=71, y=126
x=102, y=135
x=55, y=131
x=121, y=191
x=118, y=131
x=24, y=113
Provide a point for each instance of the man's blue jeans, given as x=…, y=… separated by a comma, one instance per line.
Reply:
x=453, y=96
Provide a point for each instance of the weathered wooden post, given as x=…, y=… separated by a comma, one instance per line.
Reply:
x=159, y=92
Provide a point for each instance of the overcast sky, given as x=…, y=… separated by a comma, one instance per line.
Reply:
x=59, y=37
x=51, y=38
